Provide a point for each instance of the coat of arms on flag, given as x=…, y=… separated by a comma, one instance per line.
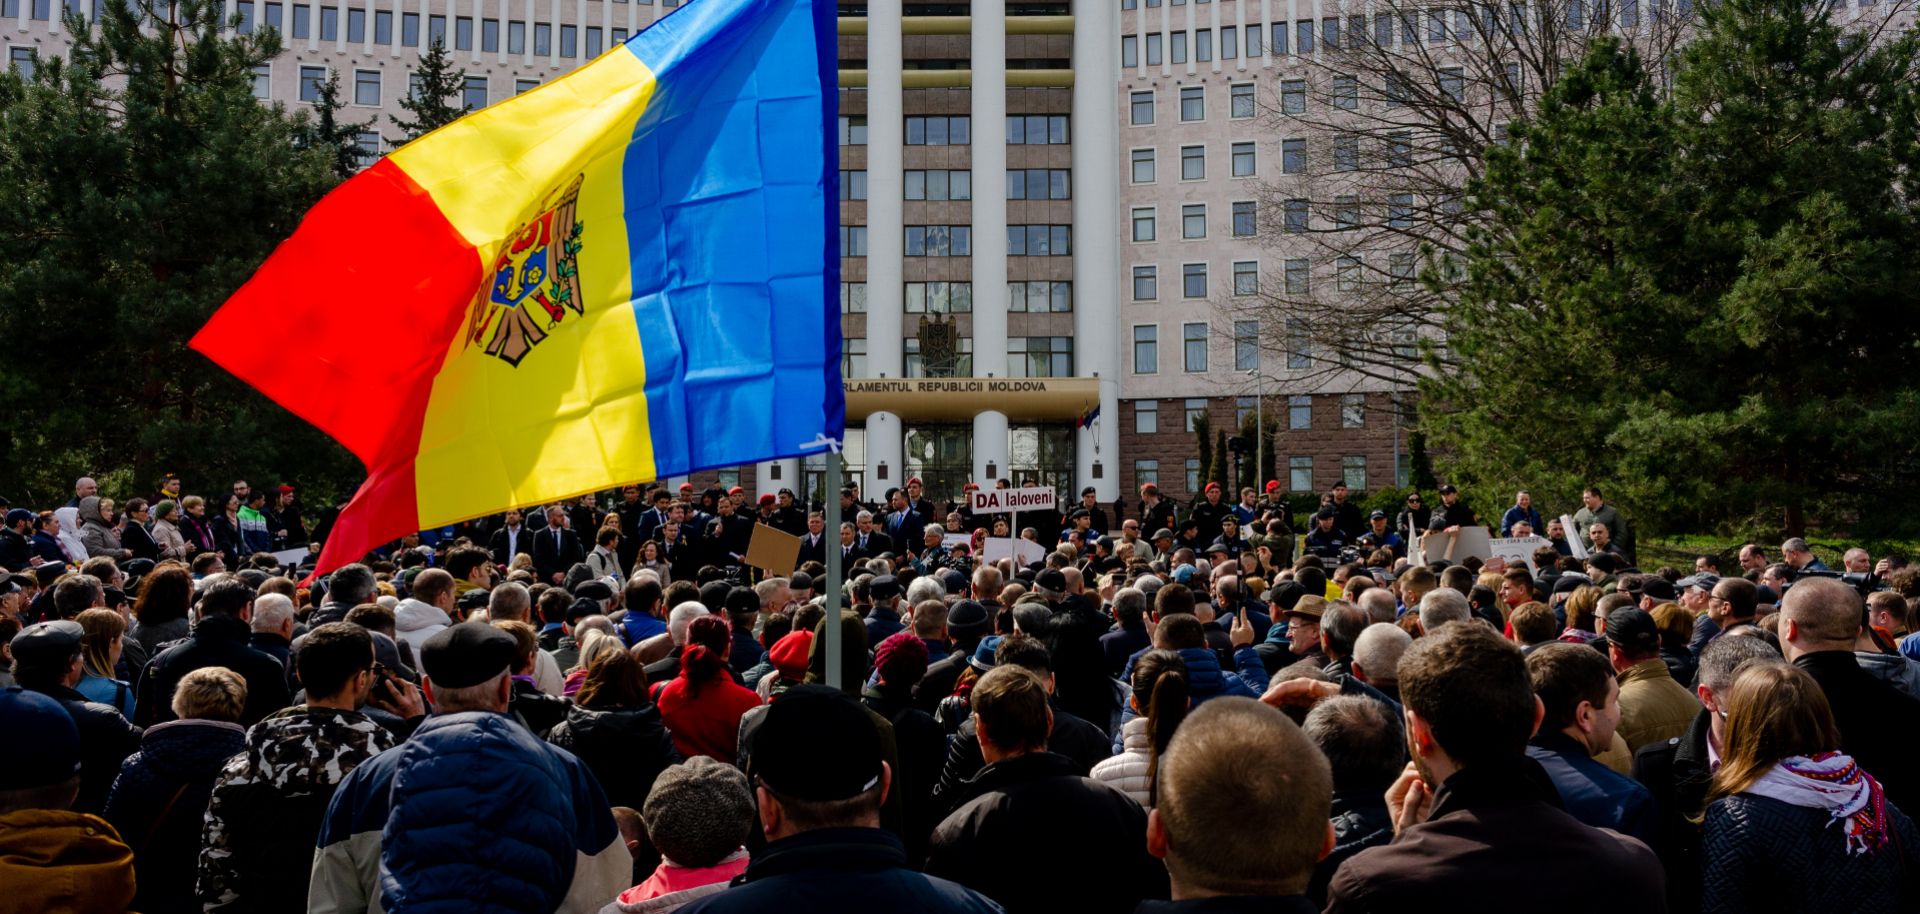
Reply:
x=539, y=267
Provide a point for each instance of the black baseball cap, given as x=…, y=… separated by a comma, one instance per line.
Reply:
x=46, y=645
x=1659, y=588
x=467, y=654
x=1633, y=629
x=816, y=744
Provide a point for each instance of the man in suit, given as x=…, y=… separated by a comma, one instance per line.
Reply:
x=509, y=540
x=869, y=539
x=849, y=549
x=904, y=524
x=556, y=548
x=813, y=544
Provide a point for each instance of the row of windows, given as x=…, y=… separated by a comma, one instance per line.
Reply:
x=1027, y=357
x=1193, y=221
x=1353, y=472
x=366, y=86
x=1023, y=297
x=1243, y=159
x=303, y=25
x=1193, y=279
x=1434, y=26
x=1022, y=130
x=1353, y=413
x=957, y=184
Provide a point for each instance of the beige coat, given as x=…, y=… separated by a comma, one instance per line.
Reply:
x=1653, y=706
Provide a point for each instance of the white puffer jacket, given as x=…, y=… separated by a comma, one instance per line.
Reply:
x=1127, y=772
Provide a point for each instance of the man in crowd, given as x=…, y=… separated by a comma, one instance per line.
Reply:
x=54, y=856
x=1581, y=699
x=1473, y=811
x=556, y=548
x=1819, y=628
x=46, y=660
x=510, y=540
x=1362, y=741
x=1797, y=553
x=220, y=639
x=1595, y=510
x=1453, y=513
x=1653, y=707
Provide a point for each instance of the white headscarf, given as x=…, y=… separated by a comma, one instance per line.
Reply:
x=70, y=541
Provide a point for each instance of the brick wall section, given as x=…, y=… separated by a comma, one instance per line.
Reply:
x=1326, y=442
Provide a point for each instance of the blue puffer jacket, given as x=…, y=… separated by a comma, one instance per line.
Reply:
x=1205, y=680
x=502, y=842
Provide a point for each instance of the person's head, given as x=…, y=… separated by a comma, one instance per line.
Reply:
x=1796, y=552
x=1819, y=614
x=273, y=614
x=41, y=768
x=815, y=762
x=351, y=585
x=1516, y=587
x=434, y=587
x=1161, y=694
x=1224, y=834
x=468, y=668
x=1591, y=497
x=210, y=693
x=77, y=593
x=900, y=660
x=1578, y=692
x=472, y=564
x=1011, y=712
x=509, y=602
x=1361, y=738
x=682, y=617
x=1340, y=627
x=1533, y=623
x=1774, y=711
x=1887, y=611
x=1719, y=663
x=1377, y=603
x=1776, y=576
x=1468, y=700
x=335, y=663
x=1178, y=631
x=930, y=619
x=1377, y=653
x=1752, y=557
x=699, y=812
x=1675, y=624
x=643, y=594
x=1857, y=561
x=709, y=640
x=1599, y=534
x=1441, y=606
x=227, y=595
x=100, y=646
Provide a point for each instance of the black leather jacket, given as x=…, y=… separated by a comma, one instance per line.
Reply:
x=1762, y=855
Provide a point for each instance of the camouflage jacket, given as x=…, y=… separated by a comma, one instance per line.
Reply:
x=268, y=801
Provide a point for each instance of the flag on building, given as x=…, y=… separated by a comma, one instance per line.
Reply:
x=1085, y=419
x=628, y=273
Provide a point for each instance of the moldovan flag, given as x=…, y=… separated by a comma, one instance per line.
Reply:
x=629, y=273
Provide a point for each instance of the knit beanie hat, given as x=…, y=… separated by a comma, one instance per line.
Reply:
x=789, y=655
x=901, y=659
x=699, y=811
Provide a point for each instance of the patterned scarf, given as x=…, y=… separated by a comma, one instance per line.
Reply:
x=1834, y=782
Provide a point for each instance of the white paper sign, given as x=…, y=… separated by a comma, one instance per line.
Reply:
x=292, y=556
x=1576, y=540
x=1006, y=501
x=1518, y=550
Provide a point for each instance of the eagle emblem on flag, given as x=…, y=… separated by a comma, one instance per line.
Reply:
x=535, y=281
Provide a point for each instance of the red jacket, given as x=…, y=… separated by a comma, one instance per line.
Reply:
x=707, y=723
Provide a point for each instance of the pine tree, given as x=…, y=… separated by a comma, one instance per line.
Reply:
x=142, y=183
x=340, y=140
x=1203, y=448
x=434, y=83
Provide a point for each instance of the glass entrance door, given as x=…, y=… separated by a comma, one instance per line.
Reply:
x=942, y=456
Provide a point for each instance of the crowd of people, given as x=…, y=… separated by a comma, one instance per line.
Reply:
x=1191, y=708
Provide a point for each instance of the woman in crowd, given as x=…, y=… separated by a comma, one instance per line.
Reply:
x=68, y=535
x=196, y=527
x=160, y=610
x=134, y=534
x=166, y=532
x=593, y=643
x=99, y=655
x=1581, y=607
x=649, y=557
x=226, y=530
x=1675, y=623
x=1160, y=698
x=702, y=706
x=613, y=728
x=1793, y=824
x=46, y=539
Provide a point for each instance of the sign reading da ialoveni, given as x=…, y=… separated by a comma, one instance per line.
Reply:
x=1002, y=501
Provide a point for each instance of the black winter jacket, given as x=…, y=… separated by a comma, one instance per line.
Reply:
x=1762, y=855
x=159, y=800
x=1678, y=773
x=923, y=749
x=1876, y=722
x=216, y=641
x=625, y=748
x=1360, y=821
x=106, y=739
x=1085, y=744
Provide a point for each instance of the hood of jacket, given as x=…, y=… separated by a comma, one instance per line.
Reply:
x=189, y=749
x=412, y=616
x=1203, y=672
x=306, y=749
x=64, y=861
x=1893, y=669
x=90, y=511
x=588, y=724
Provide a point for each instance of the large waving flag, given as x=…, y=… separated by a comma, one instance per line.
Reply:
x=629, y=273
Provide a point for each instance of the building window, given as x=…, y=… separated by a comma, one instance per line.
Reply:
x=1246, y=277
x=474, y=94
x=1196, y=410
x=1300, y=474
x=1353, y=411
x=311, y=79
x=463, y=33
x=1193, y=280
x=245, y=9
x=1193, y=103
x=366, y=87
x=1279, y=40
x=1400, y=211
x=1039, y=184
x=367, y=147
x=1036, y=130
x=1129, y=52
x=1453, y=84
x=1146, y=283
x=596, y=42
x=1193, y=220
x=939, y=184
x=516, y=38
x=1346, y=273
x=1346, y=92
x=1143, y=224
x=1400, y=269
x=490, y=35
x=1298, y=277
x=955, y=130
x=1193, y=163
x=263, y=81
x=915, y=365
x=1293, y=216
x=1244, y=223
x=302, y=21
x=1243, y=165
x=1293, y=96
x=853, y=357
x=1146, y=471
x=1143, y=166
x=1293, y=156
x=525, y=85
x=1243, y=409
x=1346, y=152
x=1353, y=471
x=274, y=11
x=853, y=241
x=569, y=40
x=1400, y=149
x=1299, y=345
x=1039, y=240
x=1303, y=37
x=1203, y=45
x=1040, y=356
x=1153, y=50
x=543, y=39
x=356, y=26
x=1141, y=108
x=853, y=131
x=329, y=23
x=1330, y=33
x=853, y=298
x=1039, y=296
x=939, y=241
x=1177, y=47
x=1194, y=346
x=853, y=184
x=1299, y=412
x=382, y=26
x=1253, y=42
x=1246, y=344
x=1146, y=349
x=1240, y=101
x=1193, y=474
x=939, y=298
x=1346, y=211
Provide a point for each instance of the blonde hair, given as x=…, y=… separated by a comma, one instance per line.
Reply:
x=102, y=630
x=210, y=693
x=1581, y=605
x=1774, y=711
x=190, y=502
x=593, y=643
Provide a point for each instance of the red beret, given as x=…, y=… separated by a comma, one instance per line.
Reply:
x=789, y=654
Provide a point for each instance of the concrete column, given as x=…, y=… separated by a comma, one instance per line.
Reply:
x=884, y=448
x=989, y=151
x=886, y=242
x=1096, y=212
x=989, y=446
x=764, y=481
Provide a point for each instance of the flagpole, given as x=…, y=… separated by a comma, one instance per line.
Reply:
x=834, y=647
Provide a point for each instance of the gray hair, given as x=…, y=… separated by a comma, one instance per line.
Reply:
x=1378, y=649
x=683, y=616
x=271, y=612
x=934, y=529
x=1442, y=605
x=1795, y=544
x=1360, y=738
x=1129, y=604
x=924, y=588
x=351, y=585
x=767, y=588
x=482, y=697
x=1724, y=657
x=1379, y=604
x=865, y=516
x=509, y=601
x=1341, y=626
